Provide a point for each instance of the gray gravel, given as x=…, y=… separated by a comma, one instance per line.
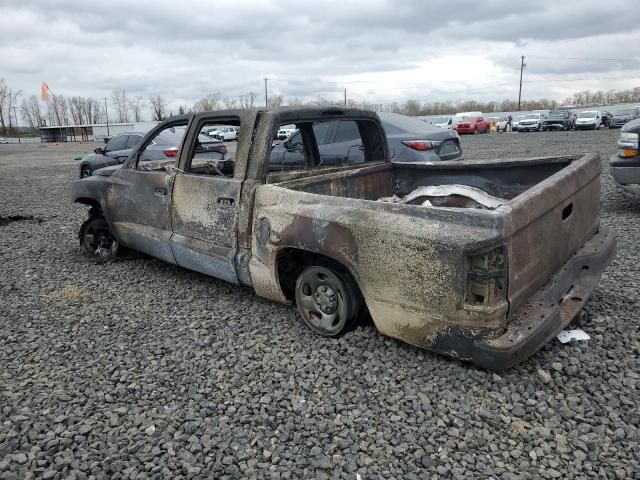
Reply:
x=138, y=369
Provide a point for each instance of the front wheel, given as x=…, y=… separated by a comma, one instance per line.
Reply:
x=97, y=239
x=86, y=171
x=327, y=299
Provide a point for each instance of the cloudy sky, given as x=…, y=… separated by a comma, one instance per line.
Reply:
x=380, y=50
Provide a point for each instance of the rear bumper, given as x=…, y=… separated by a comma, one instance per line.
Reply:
x=550, y=309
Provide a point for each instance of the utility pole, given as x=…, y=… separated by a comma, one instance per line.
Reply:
x=106, y=112
x=522, y=65
x=266, y=98
x=345, y=96
x=15, y=112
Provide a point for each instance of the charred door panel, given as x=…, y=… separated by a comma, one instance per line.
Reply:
x=204, y=213
x=138, y=209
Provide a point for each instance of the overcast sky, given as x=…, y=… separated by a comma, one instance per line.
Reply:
x=379, y=50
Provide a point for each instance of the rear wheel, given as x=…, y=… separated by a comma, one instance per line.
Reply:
x=97, y=239
x=327, y=299
x=86, y=171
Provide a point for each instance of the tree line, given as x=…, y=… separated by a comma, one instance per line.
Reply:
x=122, y=108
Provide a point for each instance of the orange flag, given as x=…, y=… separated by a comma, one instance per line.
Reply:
x=44, y=90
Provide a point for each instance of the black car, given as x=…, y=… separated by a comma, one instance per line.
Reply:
x=558, y=120
x=622, y=117
x=164, y=147
x=625, y=164
x=115, y=151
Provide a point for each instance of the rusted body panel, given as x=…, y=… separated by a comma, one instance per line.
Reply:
x=411, y=262
x=456, y=276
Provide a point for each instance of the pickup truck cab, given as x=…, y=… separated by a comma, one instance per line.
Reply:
x=484, y=261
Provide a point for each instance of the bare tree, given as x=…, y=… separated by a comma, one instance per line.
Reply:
x=93, y=111
x=213, y=101
x=58, y=110
x=4, y=93
x=121, y=104
x=30, y=112
x=136, y=105
x=158, y=108
x=248, y=100
x=11, y=104
x=25, y=112
x=230, y=103
x=76, y=105
x=275, y=100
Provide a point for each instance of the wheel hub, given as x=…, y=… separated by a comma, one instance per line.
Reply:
x=326, y=299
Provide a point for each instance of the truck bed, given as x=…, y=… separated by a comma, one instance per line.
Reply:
x=546, y=208
x=504, y=179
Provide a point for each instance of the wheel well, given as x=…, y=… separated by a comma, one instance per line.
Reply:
x=291, y=261
x=94, y=204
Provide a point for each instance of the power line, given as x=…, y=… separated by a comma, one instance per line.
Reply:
x=588, y=59
x=553, y=80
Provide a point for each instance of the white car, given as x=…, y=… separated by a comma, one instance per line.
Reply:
x=225, y=133
x=4, y=140
x=515, y=121
x=501, y=122
x=442, y=122
x=286, y=131
x=590, y=119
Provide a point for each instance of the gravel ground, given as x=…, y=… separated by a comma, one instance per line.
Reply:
x=139, y=369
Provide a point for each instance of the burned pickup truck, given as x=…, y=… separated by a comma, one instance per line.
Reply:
x=484, y=260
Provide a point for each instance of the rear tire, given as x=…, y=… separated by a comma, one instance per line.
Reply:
x=86, y=171
x=327, y=298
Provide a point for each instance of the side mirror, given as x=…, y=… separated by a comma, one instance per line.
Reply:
x=99, y=151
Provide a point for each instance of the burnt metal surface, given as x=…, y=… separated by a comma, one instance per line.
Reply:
x=550, y=309
x=414, y=264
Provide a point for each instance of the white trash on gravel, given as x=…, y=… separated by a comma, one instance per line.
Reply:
x=565, y=336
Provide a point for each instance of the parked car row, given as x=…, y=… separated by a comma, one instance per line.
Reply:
x=560, y=119
x=223, y=132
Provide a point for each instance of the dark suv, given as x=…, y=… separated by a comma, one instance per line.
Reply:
x=558, y=120
x=625, y=164
x=622, y=117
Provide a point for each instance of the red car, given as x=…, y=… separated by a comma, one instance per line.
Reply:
x=472, y=125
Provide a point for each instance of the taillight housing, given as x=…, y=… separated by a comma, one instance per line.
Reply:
x=487, y=277
x=171, y=152
x=421, y=145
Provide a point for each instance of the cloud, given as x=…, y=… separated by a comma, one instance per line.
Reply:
x=380, y=50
